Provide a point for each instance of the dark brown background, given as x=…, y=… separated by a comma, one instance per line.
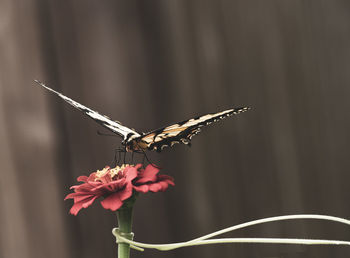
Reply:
x=150, y=63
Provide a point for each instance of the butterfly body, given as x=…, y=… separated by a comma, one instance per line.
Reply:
x=135, y=144
x=181, y=132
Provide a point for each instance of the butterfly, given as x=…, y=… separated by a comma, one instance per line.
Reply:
x=181, y=132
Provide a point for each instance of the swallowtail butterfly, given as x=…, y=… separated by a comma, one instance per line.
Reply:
x=181, y=132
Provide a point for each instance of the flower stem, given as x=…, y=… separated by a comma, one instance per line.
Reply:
x=124, y=216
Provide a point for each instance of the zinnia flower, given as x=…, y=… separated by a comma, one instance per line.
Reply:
x=116, y=185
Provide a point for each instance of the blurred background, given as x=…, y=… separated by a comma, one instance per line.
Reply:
x=151, y=63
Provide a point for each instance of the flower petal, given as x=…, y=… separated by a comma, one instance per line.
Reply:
x=111, y=186
x=82, y=179
x=78, y=196
x=127, y=192
x=76, y=208
x=83, y=204
x=130, y=173
x=113, y=201
x=148, y=175
x=87, y=203
x=141, y=188
x=155, y=187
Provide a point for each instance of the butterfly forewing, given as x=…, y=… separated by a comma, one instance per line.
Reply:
x=105, y=121
x=182, y=132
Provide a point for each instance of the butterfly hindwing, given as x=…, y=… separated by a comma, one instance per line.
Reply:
x=105, y=121
x=183, y=132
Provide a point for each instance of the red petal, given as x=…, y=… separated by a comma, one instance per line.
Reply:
x=141, y=188
x=166, y=178
x=127, y=192
x=83, y=198
x=92, y=177
x=86, y=187
x=155, y=187
x=75, y=195
x=82, y=179
x=112, y=202
x=106, y=178
x=148, y=175
x=87, y=203
x=111, y=186
x=83, y=204
x=163, y=185
x=138, y=166
x=170, y=182
x=76, y=208
x=130, y=173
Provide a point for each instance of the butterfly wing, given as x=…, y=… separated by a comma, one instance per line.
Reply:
x=182, y=132
x=105, y=121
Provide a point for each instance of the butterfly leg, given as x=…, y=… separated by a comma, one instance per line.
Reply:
x=143, y=155
x=132, y=157
x=149, y=162
x=117, y=157
x=124, y=156
x=143, y=159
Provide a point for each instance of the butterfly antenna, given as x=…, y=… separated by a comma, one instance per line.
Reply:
x=105, y=134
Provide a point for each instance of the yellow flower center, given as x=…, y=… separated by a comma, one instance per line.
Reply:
x=101, y=173
x=113, y=172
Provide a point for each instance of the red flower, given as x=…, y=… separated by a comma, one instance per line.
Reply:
x=116, y=185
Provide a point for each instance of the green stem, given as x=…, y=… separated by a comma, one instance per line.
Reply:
x=124, y=216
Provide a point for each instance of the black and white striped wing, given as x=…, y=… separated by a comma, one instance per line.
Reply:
x=105, y=121
x=182, y=132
